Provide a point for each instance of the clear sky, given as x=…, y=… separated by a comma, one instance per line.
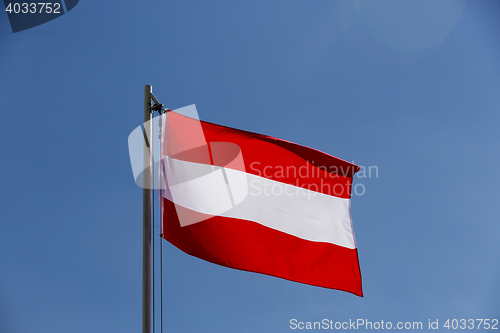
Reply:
x=412, y=88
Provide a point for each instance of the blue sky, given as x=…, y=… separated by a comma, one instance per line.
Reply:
x=410, y=88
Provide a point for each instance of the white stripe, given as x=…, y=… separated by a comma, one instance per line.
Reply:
x=296, y=211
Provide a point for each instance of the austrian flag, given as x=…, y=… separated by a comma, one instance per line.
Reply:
x=257, y=203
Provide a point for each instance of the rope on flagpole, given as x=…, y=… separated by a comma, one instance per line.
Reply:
x=159, y=108
x=161, y=271
x=155, y=107
x=153, y=217
x=148, y=210
x=161, y=232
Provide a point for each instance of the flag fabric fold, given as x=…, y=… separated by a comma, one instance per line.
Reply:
x=257, y=203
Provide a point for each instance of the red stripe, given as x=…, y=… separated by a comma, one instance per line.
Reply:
x=249, y=246
x=266, y=156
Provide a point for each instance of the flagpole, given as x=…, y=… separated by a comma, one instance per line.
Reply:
x=146, y=217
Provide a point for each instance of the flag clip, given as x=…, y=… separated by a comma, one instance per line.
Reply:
x=156, y=107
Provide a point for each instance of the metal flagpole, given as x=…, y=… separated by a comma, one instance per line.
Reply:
x=148, y=164
x=146, y=217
